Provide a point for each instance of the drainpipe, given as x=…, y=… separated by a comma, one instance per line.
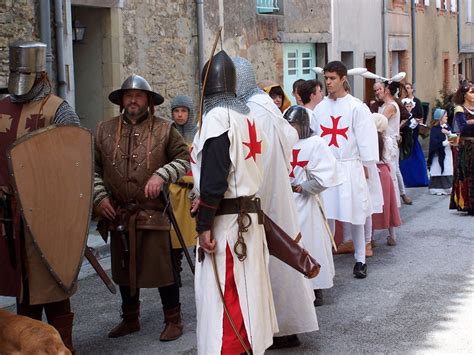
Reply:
x=384, y=38
x=413, y=43
x=458, y=7
x=45, y=33
x=61, y=75
x=200, y=36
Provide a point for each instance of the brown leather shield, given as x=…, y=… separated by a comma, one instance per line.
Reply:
x=52, y=172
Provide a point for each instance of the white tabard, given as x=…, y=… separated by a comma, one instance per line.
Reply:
x=349, y=130
x=247, y=143
x=292, y=292
x=312, y=160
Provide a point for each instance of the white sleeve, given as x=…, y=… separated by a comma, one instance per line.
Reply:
x=366, y=134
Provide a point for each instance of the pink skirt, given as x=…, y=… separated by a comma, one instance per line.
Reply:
x=390, y=216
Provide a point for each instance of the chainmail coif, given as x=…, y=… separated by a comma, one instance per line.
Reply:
x=246, y=81
x=189, y=129
x=226, y=100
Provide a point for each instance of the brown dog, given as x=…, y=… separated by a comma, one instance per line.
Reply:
x=23, y=335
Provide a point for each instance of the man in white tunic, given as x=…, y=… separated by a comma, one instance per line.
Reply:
x=227, y=168
x=292, y=292
x=314, y=169
x=344, y=123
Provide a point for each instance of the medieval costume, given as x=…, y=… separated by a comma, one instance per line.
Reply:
x=413, y=167
x=128, y=154
x=346, y=127
x=440, y=156
x=180, y=192
x=315, y=169
x=30, y=106
x=389, y=217
x=228, y=173
x=277, y=94
x=462, y=196
x=295, y=311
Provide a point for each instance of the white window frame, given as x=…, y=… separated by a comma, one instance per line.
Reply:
x=427, y=2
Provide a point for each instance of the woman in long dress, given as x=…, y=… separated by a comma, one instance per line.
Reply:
x=440, y=157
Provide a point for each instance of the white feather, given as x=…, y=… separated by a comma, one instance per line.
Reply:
x=318, y=70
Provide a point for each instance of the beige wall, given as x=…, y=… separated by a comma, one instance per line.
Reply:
x=436, y=40
x=362, y=37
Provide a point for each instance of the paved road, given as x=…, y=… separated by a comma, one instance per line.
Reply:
x=417, y=299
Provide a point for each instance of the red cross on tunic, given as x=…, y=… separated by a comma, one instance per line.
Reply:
x=334, y=131
x=294, y=163
x=255, y=146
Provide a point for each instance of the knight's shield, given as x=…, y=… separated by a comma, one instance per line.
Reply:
x=52, y=172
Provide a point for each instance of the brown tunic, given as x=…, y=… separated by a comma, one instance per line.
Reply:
x=122, y=164
x=16, y=120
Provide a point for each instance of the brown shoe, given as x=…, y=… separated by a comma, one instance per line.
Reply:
x=63, y=325
x=390, y=241
x=368, y=250
x=130, y=321
x=345, y=248
x=406, y=200
x=174, y=326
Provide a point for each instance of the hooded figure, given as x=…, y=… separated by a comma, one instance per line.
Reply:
x=189, y=128
x=277, y=93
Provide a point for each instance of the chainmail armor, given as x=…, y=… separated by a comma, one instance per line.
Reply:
x=37, y=92
x=226, y=100
x=189, y=129
x=64, y=115
x=246, y=80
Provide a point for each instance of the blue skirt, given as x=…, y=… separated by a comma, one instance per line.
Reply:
x=413, y=168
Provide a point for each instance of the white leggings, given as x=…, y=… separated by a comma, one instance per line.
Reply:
x=354, y=232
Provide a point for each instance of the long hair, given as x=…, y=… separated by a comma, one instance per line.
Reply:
x=458, y=97
x=381, y=145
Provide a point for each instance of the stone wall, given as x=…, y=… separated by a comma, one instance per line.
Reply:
x=160, y=44
x=17, y=22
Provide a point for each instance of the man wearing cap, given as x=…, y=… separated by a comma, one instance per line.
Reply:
x=30, y=106
x=136, y=154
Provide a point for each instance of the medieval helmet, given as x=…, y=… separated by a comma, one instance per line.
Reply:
x=27, y=59
x=135, y=82
x=298, y=117
x=221, y=77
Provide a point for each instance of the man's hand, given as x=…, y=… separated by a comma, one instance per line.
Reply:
x=206, y=243
x=195, y=206
x=297, y=188
x=106, y=210
x=153, y=187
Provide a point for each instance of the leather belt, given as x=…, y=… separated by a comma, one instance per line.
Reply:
x=249, y=204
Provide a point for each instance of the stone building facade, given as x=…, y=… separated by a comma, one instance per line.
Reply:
x=158, y=39
x=466, y=39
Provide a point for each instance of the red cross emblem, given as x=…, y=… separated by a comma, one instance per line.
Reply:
x=294, y=163
x=255, y=146
x=334, y=131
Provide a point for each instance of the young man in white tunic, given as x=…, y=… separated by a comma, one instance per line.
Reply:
x=292, y=292
x=227, y=168
x=345, y=124
x=314, y=169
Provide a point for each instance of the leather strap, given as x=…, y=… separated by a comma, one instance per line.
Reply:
x=237, y=205
x=132, y=259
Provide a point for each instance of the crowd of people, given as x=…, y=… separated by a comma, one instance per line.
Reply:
x=327, y=166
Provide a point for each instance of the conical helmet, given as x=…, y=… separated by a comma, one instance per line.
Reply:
x=221, y=77
x=298, y=117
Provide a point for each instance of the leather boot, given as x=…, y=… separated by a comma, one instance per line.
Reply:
x=174, y=326
x=63, y=324
x=130, y=321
